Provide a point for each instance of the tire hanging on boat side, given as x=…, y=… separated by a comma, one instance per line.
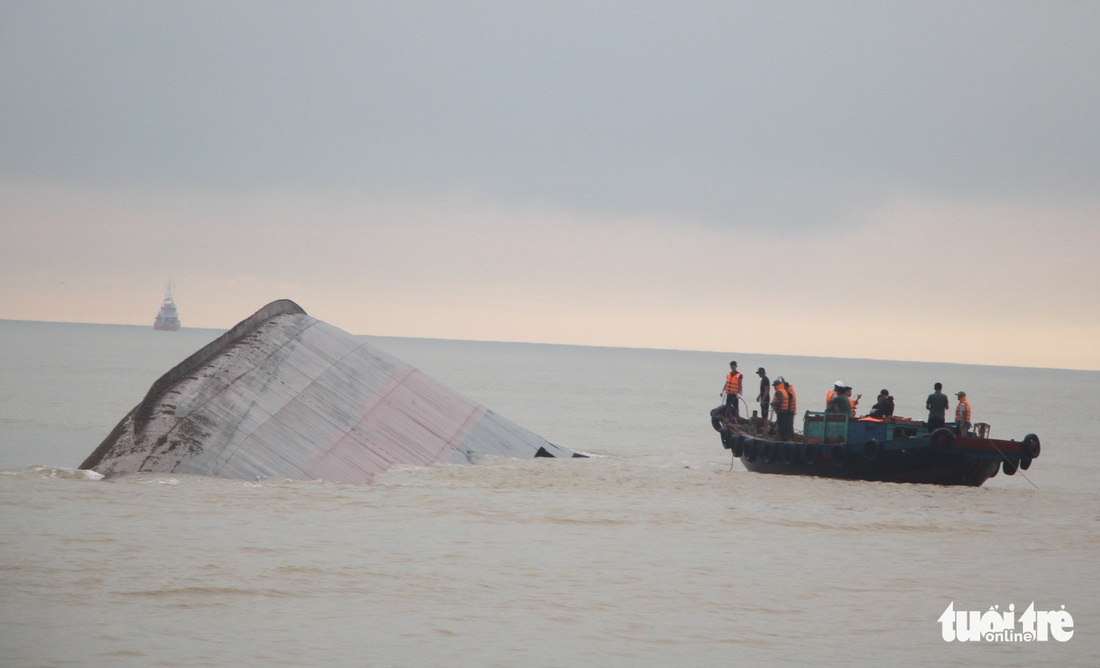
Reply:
x=942, y=439
x=1031, y=446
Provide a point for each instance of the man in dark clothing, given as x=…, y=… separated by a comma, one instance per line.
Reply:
x=840, y=403
x=884, y=407
x=937, y=405
x=765, y=396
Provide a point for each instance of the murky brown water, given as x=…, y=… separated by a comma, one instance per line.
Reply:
x=653, y=554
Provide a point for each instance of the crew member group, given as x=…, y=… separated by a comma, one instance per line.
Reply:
x=779, y=397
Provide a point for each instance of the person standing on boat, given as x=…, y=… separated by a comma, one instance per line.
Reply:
x=962, y=413
x=784, y=416
x=851, y=401
x=839, y=403
x=838, y=387
x=765, y=396
x=937, y=405
x=732, y=391
x=792, y=399
x=884, y=407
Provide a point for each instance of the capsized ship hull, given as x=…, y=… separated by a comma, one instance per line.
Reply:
x=285, y=395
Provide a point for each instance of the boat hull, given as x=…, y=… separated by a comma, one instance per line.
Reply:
x=914, y=464
x=913, y=455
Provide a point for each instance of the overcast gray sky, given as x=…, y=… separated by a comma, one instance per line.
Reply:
x=870, y=179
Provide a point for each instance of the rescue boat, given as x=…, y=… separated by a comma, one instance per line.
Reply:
x=892, y=449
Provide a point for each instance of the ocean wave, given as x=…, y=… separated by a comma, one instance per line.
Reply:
x=39, y=471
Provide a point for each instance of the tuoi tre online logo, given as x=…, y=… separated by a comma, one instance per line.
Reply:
x=995, y=625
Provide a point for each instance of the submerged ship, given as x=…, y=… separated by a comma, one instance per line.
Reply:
x=891, y=449
x=284, y=395
x=168, y=318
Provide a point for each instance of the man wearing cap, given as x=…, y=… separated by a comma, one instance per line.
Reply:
x=765, y=396
x=962, y=413
x=838, y=388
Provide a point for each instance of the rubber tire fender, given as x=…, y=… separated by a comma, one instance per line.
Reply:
x=737, y=446
x=942, y=439
x=1031, y=446
x=1008, y=467
x=727, y=438
x=840, y=454
x=750, y=450
x=811, y=453
x=872, y=450
x=715, y=416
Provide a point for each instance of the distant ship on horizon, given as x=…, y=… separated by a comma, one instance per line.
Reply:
x=168, y=318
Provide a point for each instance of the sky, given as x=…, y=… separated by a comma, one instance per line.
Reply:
x=887, y=180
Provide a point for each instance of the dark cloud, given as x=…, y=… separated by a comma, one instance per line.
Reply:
x=777, y=113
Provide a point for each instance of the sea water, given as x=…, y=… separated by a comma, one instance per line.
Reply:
x=659, y=551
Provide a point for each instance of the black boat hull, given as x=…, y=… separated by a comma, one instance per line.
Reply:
x=891, y=450
x=914, y=464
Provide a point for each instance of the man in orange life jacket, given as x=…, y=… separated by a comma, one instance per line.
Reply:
x=832, y=405
x=962, y=413
x=732, y=391
x=839, y=403
x=782, y=402
x=792, y=399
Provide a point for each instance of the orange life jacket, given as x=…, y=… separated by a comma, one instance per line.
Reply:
x=793, y=399
x=780, y=399
x=962, y=411
x=829, y=397
x=733, y=383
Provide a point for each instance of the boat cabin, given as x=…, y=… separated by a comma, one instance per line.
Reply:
x=829, y=428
